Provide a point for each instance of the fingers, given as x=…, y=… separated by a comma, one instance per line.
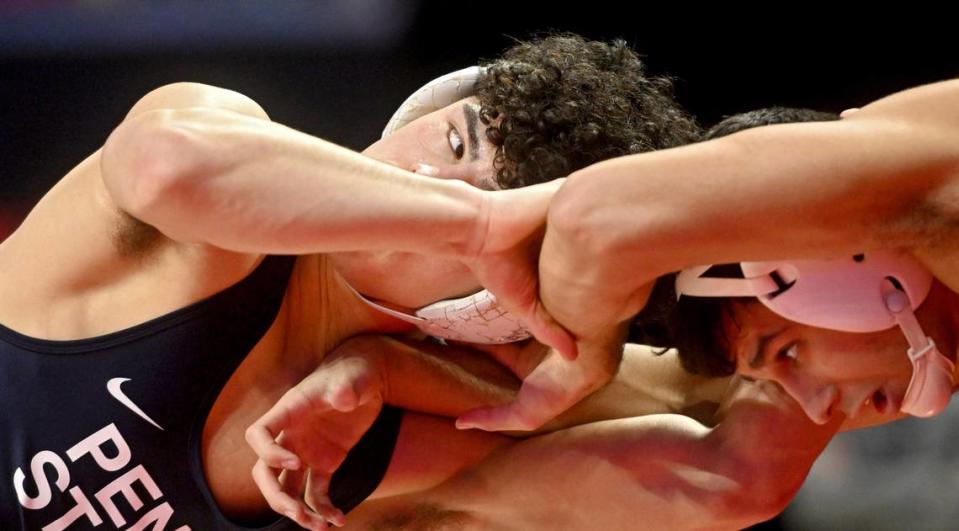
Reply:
x=553, y=387
x=548, y=331
x=534, y=406
x=261, y=434
x=261, y=439
x=296, y=462
x=314, y=512
x=317, y=497
x=269, y=484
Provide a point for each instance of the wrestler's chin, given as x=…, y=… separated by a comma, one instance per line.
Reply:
x=404, y=280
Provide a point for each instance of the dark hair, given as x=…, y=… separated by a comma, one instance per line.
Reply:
x=565, y=103
x=692, y=324
x=769, y=116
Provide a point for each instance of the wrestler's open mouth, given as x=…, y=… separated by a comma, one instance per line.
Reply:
x=880, y=402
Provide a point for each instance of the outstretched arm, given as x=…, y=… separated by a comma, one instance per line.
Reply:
x=886, y=176
x=665, y=471
x=238, y=181
x=323, y=417
x=233, y=180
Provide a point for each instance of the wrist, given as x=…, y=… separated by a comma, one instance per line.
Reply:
x=478, y=229
x=368, y=350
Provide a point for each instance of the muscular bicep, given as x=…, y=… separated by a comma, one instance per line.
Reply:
x=79, y=252
x=132, y=235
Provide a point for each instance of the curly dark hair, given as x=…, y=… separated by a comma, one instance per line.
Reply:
x=691, y=324
x=768, y=116
x=565, y=103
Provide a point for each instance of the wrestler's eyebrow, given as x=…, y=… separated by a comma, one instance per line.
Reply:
x=757, y=359
x=471, y=119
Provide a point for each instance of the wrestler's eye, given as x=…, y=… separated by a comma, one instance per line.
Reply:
x=456, y=142
x=789, y=353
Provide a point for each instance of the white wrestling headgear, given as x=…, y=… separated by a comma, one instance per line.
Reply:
x=866, y=293
x=433, y=96
x=476, y=318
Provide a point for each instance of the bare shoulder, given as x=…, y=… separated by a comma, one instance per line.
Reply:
x=77, y=253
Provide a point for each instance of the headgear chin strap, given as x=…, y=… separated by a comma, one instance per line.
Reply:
x=476, y=318
x=867, y=293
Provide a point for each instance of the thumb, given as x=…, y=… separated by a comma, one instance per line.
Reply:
x=548, y=331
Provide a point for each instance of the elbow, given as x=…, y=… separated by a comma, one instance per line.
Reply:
x=759, y=496
x=751, y=489
x=149, y=161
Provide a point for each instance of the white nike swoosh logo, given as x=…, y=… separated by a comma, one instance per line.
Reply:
x=113, y=387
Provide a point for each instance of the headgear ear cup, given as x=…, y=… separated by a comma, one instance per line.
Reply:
x=850, y=295
x=476, y=318
x=844, y=294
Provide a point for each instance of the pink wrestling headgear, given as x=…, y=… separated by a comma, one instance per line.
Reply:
x=476, y=318
x=866, y=293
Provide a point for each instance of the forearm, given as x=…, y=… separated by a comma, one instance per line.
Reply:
x=670, y=469
x=246, y=184
x=646, y=382
x=580, y=478
x=450, y=380
x=815, y=189
x=601, y=476
x=429, y=378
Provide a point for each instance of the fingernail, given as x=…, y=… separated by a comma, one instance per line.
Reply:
x=464, y=425
x=291, y=464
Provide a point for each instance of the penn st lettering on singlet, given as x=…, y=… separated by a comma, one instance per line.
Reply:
x=117, y=502
x=106, y=432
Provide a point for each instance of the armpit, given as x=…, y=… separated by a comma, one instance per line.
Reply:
x=423, y=517
x=134, y=238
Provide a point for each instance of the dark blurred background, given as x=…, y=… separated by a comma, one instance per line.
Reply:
x=69, y=71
